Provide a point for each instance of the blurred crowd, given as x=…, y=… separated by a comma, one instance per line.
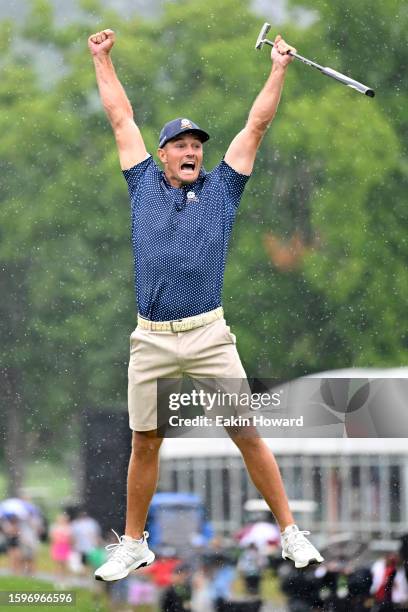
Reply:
x=74, y=538
x=203, y=579
x=22, y=528
x=206, y=581
x=350, y=584
x=226, y=574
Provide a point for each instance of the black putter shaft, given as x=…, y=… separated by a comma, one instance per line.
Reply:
x=342, y=78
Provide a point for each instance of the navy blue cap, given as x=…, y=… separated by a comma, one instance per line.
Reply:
x=180, y=126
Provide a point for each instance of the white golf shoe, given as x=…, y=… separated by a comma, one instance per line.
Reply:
x=126, y=555
x=297, y=548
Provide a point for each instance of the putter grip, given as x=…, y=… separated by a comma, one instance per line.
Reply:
x=347, y=81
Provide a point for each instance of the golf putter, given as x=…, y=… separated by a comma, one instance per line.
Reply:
x=363, y=89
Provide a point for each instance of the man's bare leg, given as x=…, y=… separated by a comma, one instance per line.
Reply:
x=143, y=474
x=265, y=475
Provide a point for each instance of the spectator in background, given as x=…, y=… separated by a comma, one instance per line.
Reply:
x=177, y=596
x=3, y=539
x=86, y=535
x=250, y=565
x=403, y=553
x=390, y=586
x=161, y=572
x=201, y=600
x=29, y=543
x=61, y=543
x=223, y=574
x=11, y=529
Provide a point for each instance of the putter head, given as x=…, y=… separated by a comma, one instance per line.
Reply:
x=262, y=34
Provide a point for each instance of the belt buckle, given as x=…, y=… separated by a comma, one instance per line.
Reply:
x=175, y=321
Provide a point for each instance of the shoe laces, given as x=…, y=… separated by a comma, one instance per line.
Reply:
x=123, y=550
x=297, y=540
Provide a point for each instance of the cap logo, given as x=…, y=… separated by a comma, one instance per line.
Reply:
x=186, y=123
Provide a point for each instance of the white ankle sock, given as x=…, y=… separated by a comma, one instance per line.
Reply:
x=138, y=541
x=288, y=527
x=130, y=539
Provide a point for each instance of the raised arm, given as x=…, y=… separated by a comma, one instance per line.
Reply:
x=242, y=150
x=129, y=140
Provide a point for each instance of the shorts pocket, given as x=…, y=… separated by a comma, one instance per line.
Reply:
x=227, y=333
x=231, y=336
x=134, y=340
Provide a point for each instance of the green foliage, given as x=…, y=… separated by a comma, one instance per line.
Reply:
x=332, y=169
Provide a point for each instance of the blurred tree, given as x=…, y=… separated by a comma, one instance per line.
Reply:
x=18, y=89
x=357, y=205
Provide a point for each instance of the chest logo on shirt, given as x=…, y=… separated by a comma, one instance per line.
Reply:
x=191, y=196
x=186, y=123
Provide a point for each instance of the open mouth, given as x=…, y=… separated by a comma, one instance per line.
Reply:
x=188, y=167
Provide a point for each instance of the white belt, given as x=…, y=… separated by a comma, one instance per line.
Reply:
x=180, y=325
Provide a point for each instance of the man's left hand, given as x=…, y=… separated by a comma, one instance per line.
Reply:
x=280, y=52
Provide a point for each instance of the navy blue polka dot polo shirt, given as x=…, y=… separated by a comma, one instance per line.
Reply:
x=180, y=238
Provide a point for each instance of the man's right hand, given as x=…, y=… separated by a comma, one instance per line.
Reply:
x=129, y=140
x=101, y=42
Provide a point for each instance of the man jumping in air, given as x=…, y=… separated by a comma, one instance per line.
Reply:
x=182, y=219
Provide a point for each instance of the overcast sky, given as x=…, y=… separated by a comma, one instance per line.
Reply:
x=272, y=10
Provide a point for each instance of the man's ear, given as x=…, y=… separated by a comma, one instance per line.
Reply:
x=162, y=155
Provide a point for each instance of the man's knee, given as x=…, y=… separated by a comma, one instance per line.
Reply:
x=246, y=438
x=145, y=444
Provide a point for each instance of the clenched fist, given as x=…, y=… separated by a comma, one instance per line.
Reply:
x=101, y=42
x=280, y=52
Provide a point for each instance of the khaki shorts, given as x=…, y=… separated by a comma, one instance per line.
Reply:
x=207, y=352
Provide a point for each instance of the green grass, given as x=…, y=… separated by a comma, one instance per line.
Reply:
x=270, y=590
x=43, y=562
x=85, y=600
x=2, y=483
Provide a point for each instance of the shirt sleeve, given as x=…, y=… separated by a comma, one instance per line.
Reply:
x=133, y=175
x=233, y=181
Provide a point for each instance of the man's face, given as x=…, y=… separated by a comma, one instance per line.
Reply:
x=182, y=159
